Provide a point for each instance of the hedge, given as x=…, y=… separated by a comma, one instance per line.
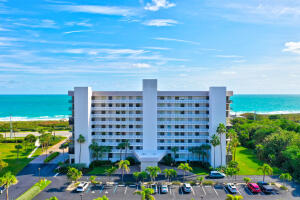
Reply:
x=51, y=157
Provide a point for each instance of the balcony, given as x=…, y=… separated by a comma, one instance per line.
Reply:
x=117, y=143
x=183, y=101
x=183, y=108
x=185, y=137
x=182, y=130
x=129, y=137
x=185, y=144
x=182, y=115
x=182, y=122
x=118, y=115
x=117, y=129
x=117, y=122
x=117, y=108
x=118, y=101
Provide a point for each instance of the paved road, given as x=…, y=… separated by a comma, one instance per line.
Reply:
x=23, y=134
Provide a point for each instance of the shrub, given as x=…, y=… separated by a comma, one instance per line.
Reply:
x=13, y=140
x=192, y=183
x=209, y=182
x=176, y=183
x=99, y=163
x=283, y=187
x=168, y=160
x=63, y=168
x=51, y=157
x=247, y=180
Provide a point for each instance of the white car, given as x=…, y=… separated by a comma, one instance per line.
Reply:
x=82, y=186
x=231, y=188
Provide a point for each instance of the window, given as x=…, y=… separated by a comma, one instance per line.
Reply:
x=197, y=112
x=137, y=133
x=162, y=141
x=123, y=104
x=161, y=126
x=182, y=112
x=110, y=98
x=190, y=141
x=130, y=126
x=161, y=98
x=176, y=98
x=137, y=140
x=109, y=105
x=103, y=140
x=102, y=112
x=162, y=133
x=182, y=105
x=138, y=105
x=169, y=148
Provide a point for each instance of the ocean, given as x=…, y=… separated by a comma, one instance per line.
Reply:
x=51, y=107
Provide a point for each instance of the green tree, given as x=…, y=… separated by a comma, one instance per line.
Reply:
x=185, y=167
x=167, y=174
x=74, y=174
x=121, y=146
x=221, y=130
x=145, y=193
x=200, y=179
x=95, y=148
x=153, y=172
x=127, y=145
x=93, y=180
x=266, y=169
x=63, y=146
x=247, y=180
x=215, y=141
x=18, y=147
x=2, y=164
x=80, y=140
x=285, y=177
x=45, y=140
x=136, y=176
x=104, y=197
x=236, y=197
x=124, y=166
x=174, y=150
x=31, y=139
x=52, y=198
x=7, y=180
x=143, y=175
x=110, y=171
x=230, y=171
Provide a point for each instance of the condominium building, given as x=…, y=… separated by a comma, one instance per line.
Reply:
x=151, y=121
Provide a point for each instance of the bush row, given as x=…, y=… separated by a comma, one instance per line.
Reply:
x=51, y=157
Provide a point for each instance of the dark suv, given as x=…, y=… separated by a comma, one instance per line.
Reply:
x=265, y=187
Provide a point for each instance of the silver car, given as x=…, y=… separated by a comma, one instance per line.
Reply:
x=82, y=186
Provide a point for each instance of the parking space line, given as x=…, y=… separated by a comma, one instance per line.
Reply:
x=125, y=190
x=101, y=189
x=193, y=191
x=115, y=189
x=56, y=175
x=215, y=192
x=181, y=191
x=203, y=190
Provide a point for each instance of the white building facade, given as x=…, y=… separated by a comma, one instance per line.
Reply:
x=152, y=121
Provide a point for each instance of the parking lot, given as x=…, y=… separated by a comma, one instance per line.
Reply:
x=126, y=192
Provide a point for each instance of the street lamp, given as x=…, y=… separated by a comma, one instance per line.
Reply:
x=40, y=173
x=81, y=196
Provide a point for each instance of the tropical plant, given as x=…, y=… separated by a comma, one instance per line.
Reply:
x=221, y=130
x=18, y=147
x=247, y=180
x=266, y=169
x=153, y=172
x=146, y=193
x=74, y=174
x=104, y=197
x=121, y=146
x=215, y=141
x=174, y=150
x=52, y=198
x=124, y=166
x=80, y=140
x=110, y=171
x=127, y=145
x=234, y=144
x=136, y=176
x=200, y=179
x=30, y=139
x=170, y=173
x=2, y=164
x=185, y=167
x=94, y=147
x=7, y=180
x=230, y=171
x=45, y=140
x=93, y=180
x=236, y=197
x=143, y=175
x=285, y=177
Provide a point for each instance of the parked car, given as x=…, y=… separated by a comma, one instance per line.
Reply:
x=82, y=186
x=231, y=188
x=187, y=188
x=154, y=187
x=164, y=189
x=253, y=187
x=2, y=189
x=216, y=174
x=265, y=187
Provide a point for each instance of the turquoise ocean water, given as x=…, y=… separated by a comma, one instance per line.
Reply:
x=46, y=107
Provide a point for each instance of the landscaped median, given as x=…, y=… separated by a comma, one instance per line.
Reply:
x=51, y=157
x=34, y=190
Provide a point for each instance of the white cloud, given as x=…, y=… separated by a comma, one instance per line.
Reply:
x=177, y=40
x=228, y=56
x=155, y=5
x=97, y=51
x=82, y=23
x=77, y=31
x=104, y=10
x=4, y=29
x=157, y=48
x=45, y=23
x=141, y=65
x=293, y=47
x=161, y=22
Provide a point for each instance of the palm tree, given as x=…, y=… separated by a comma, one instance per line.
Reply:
x=230, y=134
x=94, y=147
x=143, y=175
x=206, y=148
x=127, y=145
x=174, y=150
x=285, y=177
x=80, y=140
x=18, y=147
x=146, y=193
x=266, y=169
x=63, y=146
x=109, y=172
x=221, y=130
x=236, y=197
x=136, y=176
x=215, y=141
x=124, y=165
x=192, y=150
x=3, y=164
x=234, y=143
x=153, y=172
x=185, y=167
x=200, y=179
x=167, y=174
x=7, y=180
x=247, y=180
x=121, y=146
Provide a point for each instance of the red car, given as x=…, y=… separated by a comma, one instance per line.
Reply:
x=253, y=187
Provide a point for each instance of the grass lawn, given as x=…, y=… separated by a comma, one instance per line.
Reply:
x=249, y=163
x=200, y=171
x=99, y=170
x=34, y=190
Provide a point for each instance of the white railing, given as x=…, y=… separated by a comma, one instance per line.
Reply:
x=183, y=101
x=182, y=123
x=183, y=108
x=181, y=130
x=118, y=101
x=117, y=136
x=117, y=129
x=182, y=115
x=186, y=137
x=117, y=123
x=117, y=143
x=117, y=108
x=117, y=115
x=180, y=144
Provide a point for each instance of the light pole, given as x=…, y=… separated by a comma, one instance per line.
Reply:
x=39, y=173
x=81, y=196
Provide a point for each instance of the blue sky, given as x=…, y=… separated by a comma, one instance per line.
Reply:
x=50, y=46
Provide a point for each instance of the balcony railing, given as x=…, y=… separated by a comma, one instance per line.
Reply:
x=182, y=123
x=118, y=115
x=117, y=122
x=117, y=137
x=183, y=101
x=186, y=137
x=183, y=108
x=182, y=115
x=181, y=130
x=117, y=108
x=117, y=129
x=118, y=101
